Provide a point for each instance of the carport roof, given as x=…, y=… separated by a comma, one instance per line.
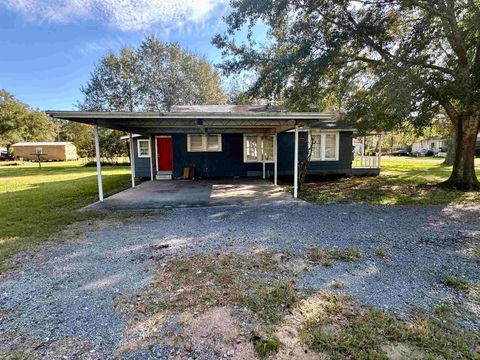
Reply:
x=204, y=119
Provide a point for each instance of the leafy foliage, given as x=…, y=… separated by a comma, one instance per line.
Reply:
x=81, y=135
x=153, y=77
x=18, y=122
x=393, y=60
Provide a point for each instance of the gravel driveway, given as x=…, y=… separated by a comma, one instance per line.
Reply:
x=65, y=293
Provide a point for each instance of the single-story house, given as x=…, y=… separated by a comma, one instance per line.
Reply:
x=227, y=141
x=48, y=151
x=436, y=144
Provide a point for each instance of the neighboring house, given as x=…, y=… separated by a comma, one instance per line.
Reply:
x=227, y=141
x=439, y=145
x=52, y=151
x=435, y=144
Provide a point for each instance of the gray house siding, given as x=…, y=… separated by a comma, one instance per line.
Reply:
x=229, y=162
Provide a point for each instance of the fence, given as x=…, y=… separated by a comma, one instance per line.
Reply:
x=366, y=161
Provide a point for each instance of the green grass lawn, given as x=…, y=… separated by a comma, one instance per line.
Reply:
x=35, y=203
x=402, y=181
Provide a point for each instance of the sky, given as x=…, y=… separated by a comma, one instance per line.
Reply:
x=48, y=48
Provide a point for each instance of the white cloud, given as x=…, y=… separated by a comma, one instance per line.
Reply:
x=102, y=45
x=126, y=15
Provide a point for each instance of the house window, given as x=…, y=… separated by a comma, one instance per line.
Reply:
x=143, y=148
x=214, y=142
x=38, y=150
x=330, y=146
x=256, y=146
x=196, y=143
x=251, y=148
x=267, y=146
x=204, y=143
x=325, y=146
x=316, y=146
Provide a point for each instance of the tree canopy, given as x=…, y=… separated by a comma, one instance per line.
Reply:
x=18, y=122
x=153, y=77
x=385, y=62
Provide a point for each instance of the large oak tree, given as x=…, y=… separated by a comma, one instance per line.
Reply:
x=394, y=61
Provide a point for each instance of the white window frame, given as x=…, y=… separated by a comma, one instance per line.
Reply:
x=138, y=148
x=323, y=143
x=204, y=143
x=260, y=149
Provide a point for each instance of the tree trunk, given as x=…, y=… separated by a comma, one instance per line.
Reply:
x=463, y=174
x=450, y=159
x=305, y=163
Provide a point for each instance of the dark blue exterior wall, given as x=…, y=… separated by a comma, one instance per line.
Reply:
x=142, y=165
x=229, y=162
x=285, y=155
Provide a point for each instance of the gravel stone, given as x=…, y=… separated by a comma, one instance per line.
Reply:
x=69, y=289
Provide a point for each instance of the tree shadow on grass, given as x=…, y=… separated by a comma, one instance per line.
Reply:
x=384, y=190
x=31, y=215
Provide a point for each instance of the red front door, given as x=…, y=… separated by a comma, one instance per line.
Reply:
x=165, y=153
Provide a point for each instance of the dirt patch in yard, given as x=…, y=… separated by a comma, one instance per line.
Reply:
x=227, y=305
x=204, y=281
x=216, y=303
x=216, y=332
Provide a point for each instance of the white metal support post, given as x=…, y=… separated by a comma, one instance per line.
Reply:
x=132, y=159
x=263, y=157
x=151, y=156
x=99, y=165
x=275, y=155
x=379, y=150
x=295, y=165
x=362, y=157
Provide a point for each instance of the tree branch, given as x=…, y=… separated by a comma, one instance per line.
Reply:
x=435, y=67
x=451, y=29
x=450, y=110
x=383, y=52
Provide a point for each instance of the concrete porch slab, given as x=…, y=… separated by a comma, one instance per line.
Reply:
x=153, y=195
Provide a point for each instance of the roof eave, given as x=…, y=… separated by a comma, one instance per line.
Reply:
x=74, y=115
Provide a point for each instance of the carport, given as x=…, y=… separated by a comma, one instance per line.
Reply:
x=207, y=121
x=155, y=195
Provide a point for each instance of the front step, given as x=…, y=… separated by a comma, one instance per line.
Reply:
x=164, y=175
